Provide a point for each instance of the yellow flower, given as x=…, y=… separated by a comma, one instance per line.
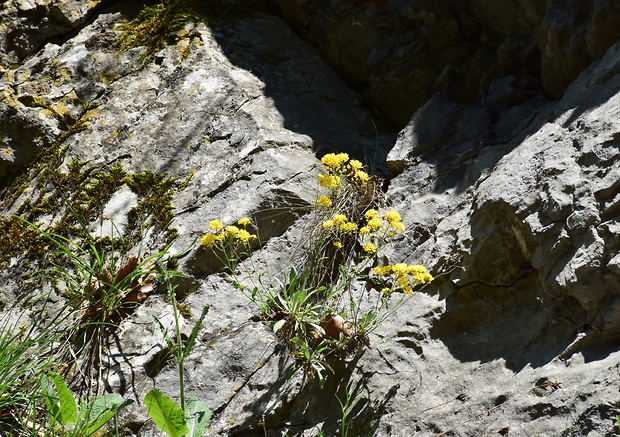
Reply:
x=400, y=268
x=398, y=227
x=361, y=176
x=386, y=290
x=339, y=218
x=329, y=181
x=207, y=240
x=324, y=201
x=216, y=225
x=382, y=270
x=393, y=217
x=375, y=223
x=244, y=236
x=416, y=269
x=364, y=230
x=338, y=244
x=423, y=278
x=328, y=224
x=407, y=290
x=232, y=230
x=334, y=161
x=371, y=214
x=244, y=221
x=348, y=227
x=355, y=163
x=403, y=281
x=370, y=248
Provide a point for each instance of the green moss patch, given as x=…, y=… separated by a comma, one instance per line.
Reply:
x=75, y=198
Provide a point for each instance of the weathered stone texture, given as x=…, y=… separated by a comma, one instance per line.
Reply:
x=410, y=50
x=512, y=201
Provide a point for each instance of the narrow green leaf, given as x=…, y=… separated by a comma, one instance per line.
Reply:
x=68, y=407
x=198, y=416
x=189, y=345
x=163, y=330
x=166, y=414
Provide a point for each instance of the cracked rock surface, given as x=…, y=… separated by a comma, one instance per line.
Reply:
x=513, y=204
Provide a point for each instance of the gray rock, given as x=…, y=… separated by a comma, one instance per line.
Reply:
x=514, y=208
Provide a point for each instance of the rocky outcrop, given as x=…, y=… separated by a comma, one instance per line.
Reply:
x=398, y=53
x=512, y=203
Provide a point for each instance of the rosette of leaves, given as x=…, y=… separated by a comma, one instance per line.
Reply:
x=108, y=294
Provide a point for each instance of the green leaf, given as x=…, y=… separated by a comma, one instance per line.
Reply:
x=166, y=414
x=51, y=398
x=198, y=416
x=163, y=330
x=189, y=345
x=99, y=411
x=279, y=324
x=67, y=408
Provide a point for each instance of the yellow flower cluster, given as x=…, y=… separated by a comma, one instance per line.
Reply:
x=229, y=233
x=374, y=222
x=329, y=181
x=404, y=276
x=339, y=222
x=370, y=248
x=375, y=227
x=324, y=201
x=339, y=165
x=335, y=161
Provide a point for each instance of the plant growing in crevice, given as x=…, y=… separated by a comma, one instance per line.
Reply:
x=82, y=272
x=335, y=295
x=155, y=25
x=348, y=404
x=78, y=195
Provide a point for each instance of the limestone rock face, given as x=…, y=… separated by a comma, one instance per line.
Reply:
x=398, y=53
x=527, y=215
x=512, y=201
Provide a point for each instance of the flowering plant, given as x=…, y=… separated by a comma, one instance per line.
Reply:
x=324, y=306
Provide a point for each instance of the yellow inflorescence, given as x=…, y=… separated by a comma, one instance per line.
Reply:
x=404, y=276
x=343, y=173
x=339, y=166
x=335, y=161
x=229, y=233
x=244, y=221
x=348, y=227
x=370, y=248
x=324, y=201
x=329, y=181
x=216, y=225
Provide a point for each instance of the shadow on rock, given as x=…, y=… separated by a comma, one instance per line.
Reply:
x=313, y=407
x=498, y=305
x=312, y=99
x=485, y=323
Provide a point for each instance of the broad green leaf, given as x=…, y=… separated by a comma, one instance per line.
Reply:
x=166, y=414
x=306, y=352
x=68, y=407
x=279, y=324
x=198, y=416
x=51, y=398
x=99, y=411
